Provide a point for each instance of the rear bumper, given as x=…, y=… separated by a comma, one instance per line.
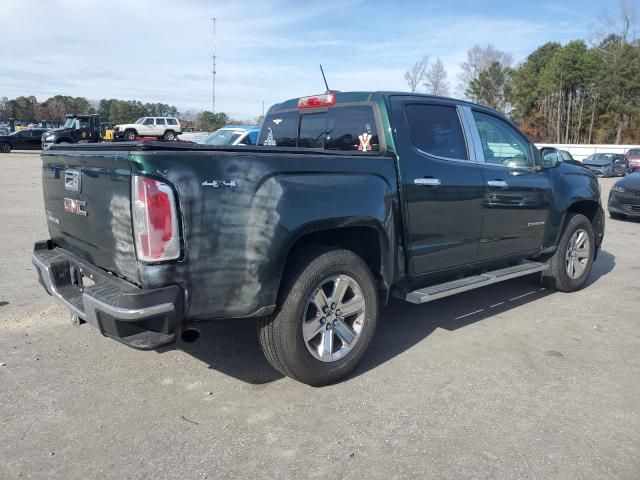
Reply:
x=141, y=318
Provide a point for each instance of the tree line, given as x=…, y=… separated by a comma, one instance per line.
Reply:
x=580, y=92
x=28, y=109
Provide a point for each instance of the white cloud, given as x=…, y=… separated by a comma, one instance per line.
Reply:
x=267, y=51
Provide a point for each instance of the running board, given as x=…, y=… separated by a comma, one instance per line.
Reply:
x=442, y=290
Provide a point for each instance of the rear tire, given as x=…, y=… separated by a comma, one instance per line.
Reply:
x=571, y=264
x=5, y=147
x=321, y=347
x=617, y=216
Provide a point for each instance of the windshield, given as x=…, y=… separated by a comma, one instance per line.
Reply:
x=69, y=122
x=140, y=120
x=599, y=159
x=223, y=137
x=634, y=151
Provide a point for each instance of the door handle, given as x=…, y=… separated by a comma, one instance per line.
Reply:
x=429, y=182
x=498, y=183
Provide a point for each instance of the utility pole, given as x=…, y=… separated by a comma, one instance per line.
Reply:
x=213, y=91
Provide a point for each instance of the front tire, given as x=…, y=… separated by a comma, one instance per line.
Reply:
x=571, y=264
x=326, y=316
x=617, y=216
x=5, y=147
x=130, y=135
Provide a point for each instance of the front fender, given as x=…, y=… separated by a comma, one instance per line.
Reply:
x=571, y=185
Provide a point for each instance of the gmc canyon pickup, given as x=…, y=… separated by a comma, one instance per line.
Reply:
x=348, y=199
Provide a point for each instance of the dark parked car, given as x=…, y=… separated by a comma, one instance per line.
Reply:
x=25, y=139
x=633, y=155
x=349, y=199
x=607, y=164
x=76, y=129
x=566, y=157
x=624, y=198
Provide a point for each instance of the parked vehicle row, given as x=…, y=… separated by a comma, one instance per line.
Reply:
x=165, y=128
x=624, y=197
x=233, y=135
x=566, y=157
x=348, y=199
x=607, y=164
x=26, y=139
x=633, y=156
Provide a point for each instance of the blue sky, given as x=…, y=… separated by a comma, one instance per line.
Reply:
x=267, y=51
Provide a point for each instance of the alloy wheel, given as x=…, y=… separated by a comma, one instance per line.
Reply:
x=578, y=254
x=334, y=318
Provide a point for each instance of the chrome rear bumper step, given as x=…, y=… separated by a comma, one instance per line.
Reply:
x=447, y=289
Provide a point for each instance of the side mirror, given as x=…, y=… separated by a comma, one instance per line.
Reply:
x=550, y=157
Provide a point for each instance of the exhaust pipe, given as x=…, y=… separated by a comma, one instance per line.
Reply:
x=190, y=333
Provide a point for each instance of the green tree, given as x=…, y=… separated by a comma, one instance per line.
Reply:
x=619, y=91
x=492, y=87
x=209, y=122
x=23, y=108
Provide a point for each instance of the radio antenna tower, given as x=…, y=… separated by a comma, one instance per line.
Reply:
x=213, y=91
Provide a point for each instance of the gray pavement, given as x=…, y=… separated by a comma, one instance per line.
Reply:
x=506, y=382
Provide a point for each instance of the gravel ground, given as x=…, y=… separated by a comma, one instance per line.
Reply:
x=509, y=381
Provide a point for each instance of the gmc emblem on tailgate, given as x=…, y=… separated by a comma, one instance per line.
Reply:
x=75, y=206
x=72, y=180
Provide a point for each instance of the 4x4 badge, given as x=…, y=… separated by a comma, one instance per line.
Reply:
x=72, y=180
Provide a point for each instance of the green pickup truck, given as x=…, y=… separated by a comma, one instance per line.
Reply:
x=348, y=199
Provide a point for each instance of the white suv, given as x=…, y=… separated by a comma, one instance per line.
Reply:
x=166, y=128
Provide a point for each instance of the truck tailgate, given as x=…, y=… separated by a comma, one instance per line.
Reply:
x=87, y=202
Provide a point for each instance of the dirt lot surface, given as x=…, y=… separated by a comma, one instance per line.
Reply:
x=509, y=381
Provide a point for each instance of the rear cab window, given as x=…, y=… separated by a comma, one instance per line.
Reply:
x=349, y=128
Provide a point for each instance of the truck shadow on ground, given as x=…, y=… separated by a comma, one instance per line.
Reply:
x=231, y=346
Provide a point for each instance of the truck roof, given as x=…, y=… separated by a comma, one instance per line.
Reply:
x=367, y=96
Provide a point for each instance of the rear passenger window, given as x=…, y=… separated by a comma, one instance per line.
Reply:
x=160, y=121
x=280, y=129
x=436, y=130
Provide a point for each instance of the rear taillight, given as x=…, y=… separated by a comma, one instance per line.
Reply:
x=155, y=221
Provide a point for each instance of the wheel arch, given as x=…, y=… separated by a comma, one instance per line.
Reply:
x=367, y=238
x=591, y=209
x=588, y=208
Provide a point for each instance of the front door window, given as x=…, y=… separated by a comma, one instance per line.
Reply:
x=501, y=143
